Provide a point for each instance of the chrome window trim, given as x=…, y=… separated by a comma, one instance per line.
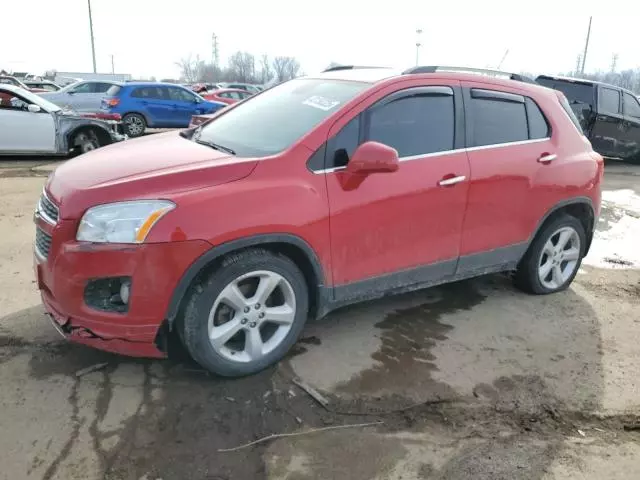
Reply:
x=444, y=153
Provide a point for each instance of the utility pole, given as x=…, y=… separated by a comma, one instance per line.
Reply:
x=418, y=45
x=586, y=46
x=113, y=70
x=578, y=63
x=614, y=62
x=93, y=47
x=215, y=57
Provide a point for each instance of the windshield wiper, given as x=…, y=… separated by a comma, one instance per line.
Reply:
x=216, y=146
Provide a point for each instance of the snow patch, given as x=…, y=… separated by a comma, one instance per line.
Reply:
x=615, y=242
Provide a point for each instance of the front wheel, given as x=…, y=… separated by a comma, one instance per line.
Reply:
x=247, y=315
x=554, y=257
x=134, y=124
x=85, y=141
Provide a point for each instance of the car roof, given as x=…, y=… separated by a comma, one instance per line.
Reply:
x=378, y=74
x=585, y=81
x=152, y=84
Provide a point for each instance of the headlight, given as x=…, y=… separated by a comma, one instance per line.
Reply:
x=124, y=222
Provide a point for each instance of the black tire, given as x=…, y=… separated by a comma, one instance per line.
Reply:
x=195, y=332
x=85, y=141
x=134, y=125
x=526, y=277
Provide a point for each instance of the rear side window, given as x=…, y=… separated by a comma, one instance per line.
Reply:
x=576, y=93
x=609, y=100
x=497, y=120
x=113, y=91
x=101, y=87
x=630, y=105
x=538, y=125
x=149, y=93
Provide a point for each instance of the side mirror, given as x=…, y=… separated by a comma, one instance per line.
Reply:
x=34, y=108
x=373, y=157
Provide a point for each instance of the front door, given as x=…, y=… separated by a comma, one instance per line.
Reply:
x=184, y=105
x=401, y=228
x=631, y=127
x=24, y=131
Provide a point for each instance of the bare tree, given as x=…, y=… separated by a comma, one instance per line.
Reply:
x=266, y=72
x=189, y=68
x=242, y=66
x=286, y=68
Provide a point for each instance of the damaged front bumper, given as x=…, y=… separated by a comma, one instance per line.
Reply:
x=68, y=271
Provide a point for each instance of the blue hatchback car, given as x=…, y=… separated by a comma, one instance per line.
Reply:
x=155, y=105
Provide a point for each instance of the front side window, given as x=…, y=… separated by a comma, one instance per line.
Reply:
x=180, y=95
x=272, y=121
x=609, y=100
x=11, y=101
x=414, y=125
x=82, y=88
x=630, y=105
x=496, y=121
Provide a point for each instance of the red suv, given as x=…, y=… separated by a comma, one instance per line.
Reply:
x=320, y=192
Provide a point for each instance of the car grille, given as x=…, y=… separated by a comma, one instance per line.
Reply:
x=48, y=210
x=43, y=242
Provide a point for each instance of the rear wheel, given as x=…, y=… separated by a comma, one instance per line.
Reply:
x=247, y=315
x=134, y=124
x=554, y=257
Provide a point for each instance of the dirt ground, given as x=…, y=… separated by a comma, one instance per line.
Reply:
x=473, y=380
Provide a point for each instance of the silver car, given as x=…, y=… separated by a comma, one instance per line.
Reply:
x=83, y=96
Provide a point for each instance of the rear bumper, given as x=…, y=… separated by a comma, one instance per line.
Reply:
x=154, y=269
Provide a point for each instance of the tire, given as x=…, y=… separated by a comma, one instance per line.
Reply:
x=564, y=263
x=134, y=125
x=256, y=341
x=85, y=141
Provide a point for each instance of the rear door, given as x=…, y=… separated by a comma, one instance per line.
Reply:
x=630, y=140
x=402, y=228
x=154, y=103
x=607, y=130
x=508, y=141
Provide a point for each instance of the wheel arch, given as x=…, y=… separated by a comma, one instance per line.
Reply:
x=578, y=207
x=290, y=245
x=102, y=133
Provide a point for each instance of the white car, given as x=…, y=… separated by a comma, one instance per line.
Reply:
x=32, y=125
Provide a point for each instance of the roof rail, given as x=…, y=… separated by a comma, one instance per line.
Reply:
x=485, y=71
x=347, y=67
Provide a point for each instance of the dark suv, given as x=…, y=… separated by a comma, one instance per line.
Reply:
x=609, y=115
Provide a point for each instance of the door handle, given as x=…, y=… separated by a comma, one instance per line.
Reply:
x=445, y=182
x=547, y=158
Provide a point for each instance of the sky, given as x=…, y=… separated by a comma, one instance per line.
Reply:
x=148, y=37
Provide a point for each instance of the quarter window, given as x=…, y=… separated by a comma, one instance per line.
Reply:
x=538, y=126
x=609, y=100
x=630, y=105
x=496, y=121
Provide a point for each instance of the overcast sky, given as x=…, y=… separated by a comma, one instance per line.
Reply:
x=147, y=37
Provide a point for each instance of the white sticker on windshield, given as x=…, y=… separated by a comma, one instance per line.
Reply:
x=320, y=102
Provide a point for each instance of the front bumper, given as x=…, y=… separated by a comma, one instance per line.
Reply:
x=155, y=270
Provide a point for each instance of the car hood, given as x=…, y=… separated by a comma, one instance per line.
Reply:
x=154, y=166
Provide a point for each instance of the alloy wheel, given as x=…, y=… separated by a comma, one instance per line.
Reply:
x=559, y=258
x=252, y=316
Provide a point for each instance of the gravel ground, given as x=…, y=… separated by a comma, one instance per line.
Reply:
x=470, y=380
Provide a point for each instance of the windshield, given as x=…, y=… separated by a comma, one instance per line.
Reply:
x=273, y=120
x=39, y=100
